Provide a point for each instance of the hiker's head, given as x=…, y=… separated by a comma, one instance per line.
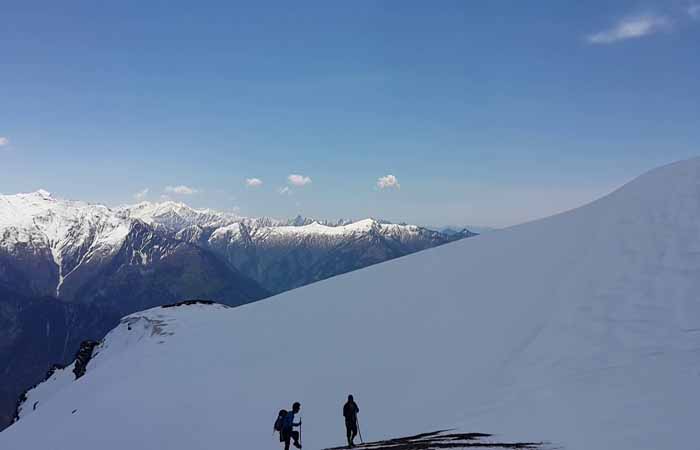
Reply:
x=296, y=407
x=351, y=398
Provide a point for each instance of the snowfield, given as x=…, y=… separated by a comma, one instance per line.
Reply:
x=582, y=330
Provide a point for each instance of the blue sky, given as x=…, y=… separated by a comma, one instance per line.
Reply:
x=487, y=113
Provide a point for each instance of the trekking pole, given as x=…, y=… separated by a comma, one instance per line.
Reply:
x=300, y=423
x=359, y=430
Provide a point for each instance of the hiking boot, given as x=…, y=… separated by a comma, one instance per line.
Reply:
x=297, y=445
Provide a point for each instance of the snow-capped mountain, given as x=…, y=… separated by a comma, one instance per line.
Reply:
x=69, y=270
x=48, y=239
x=51, y=246
x=580, y=330
x=178, y=216
x=64, y=248
x=282, y=255
x=299, y=221
x=174, y=216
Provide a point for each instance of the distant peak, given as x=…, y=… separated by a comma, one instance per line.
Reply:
x=44, y=193
x=368, y=223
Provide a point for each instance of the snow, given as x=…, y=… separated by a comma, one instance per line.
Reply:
x=320, y=234
x=62, y=226
x=316, y=229
x=178, y=215
x=60, y=378
x=232, y=231
x=312, y=228
x=581, y=329
x=359, y=227
x=58, y=260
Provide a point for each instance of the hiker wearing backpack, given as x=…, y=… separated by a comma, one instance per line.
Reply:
x=350, y=411
x=287, y=433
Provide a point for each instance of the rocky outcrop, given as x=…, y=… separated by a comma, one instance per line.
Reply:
x=83, y=357
x=190, y=302
x=23, y=396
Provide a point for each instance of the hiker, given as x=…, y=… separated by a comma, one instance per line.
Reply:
x=350, y=410
x=288, y=434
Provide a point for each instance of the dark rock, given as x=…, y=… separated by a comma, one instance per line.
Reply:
x=83, y=357
x=190, y=302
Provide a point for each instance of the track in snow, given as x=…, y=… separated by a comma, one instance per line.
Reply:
x=443, y=439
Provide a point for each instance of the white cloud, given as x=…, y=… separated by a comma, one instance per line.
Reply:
x=631, y=28
x=694, y=11
x=180, y=190
x=285, y=191
x=140, y=195
x=388, y=182
x=299, y=180
x=253, y=182
x=4, y=141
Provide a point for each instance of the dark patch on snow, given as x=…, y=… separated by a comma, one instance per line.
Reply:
x=190, y=302
x=157, y=326
x=444, y=439
x=83, y=357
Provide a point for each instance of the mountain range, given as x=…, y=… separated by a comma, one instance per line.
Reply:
x=579, y=331
x=284, y=255
x=69, y=270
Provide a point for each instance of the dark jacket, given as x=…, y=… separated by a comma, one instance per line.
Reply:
x=350, y=411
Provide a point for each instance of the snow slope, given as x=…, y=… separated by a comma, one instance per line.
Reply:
x=60, y=378
x=582, y=329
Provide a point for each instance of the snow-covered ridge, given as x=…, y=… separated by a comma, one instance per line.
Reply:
x=56, y=219
x=580, y=330
x=149, y=327
x=285, y=257
x=362, y=226
x=177, y=215
x=72, y=231
x=40, y=218
x=318, y=229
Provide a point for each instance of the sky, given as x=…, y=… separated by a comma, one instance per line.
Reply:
x=435, y=113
